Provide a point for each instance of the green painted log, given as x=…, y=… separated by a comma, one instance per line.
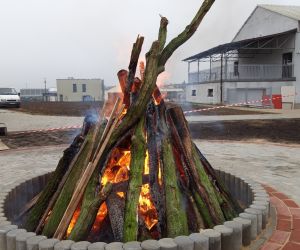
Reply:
x=138, y=154
x=221, y=195
x=68, y=189
x=176, y=215
x=37, y=211
x=89, y=209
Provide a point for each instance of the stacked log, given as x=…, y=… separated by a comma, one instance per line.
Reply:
x=137, y=174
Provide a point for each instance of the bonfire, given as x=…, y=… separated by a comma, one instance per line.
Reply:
x=134, y=174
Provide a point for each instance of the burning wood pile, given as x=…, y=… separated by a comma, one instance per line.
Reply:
x=137, y=174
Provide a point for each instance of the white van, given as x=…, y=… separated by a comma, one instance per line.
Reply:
x=9, y=98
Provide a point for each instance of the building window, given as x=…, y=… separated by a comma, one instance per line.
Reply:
x=236, y=68
x=210, y=92
x=74, y=87
x=84, y=88
x=194, y=92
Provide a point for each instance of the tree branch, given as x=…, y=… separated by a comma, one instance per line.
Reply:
x=185, y=35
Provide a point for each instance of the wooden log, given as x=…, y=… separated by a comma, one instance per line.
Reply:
x=68, y=188
x=135, y=54
x=138, y=154
x=122, y=76
x=199, y=178
x=58, y=191
x=185, y=35
x=37, y=211
x=80, y=187
x=229, y=206
x=115, y=207
x=156, y=184
x=28, y=206
x=176, y=216
x=88, y=212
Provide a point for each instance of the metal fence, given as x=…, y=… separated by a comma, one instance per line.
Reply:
x=244, y=72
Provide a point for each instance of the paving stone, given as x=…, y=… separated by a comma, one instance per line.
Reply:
x=97, y=246
x=214, y=238
x=11, y=238
x=263, y=203
x=184, y=243
x=33, y=242
x=227, y=236
x=132, y=245
x=237, y=234
x=150, y=245
x=64, y=245
x=167, y=244
x=21, y=240
x=3, y=231
x=201, y=242
x=246, y=234
x=114, y=246
x=258, y=214
x=81, y=245
x=263, y=209
x=48, y=244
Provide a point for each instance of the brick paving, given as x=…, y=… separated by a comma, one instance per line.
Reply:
x=287, y=233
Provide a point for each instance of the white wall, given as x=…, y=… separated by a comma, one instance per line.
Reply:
x=94, y=88
x=202, y=93
x=263, y=23
x=297, y=67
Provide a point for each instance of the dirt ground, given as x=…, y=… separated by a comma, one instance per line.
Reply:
x=281, y=131
x=37, y=139
x=80, y=109
x=222, y=111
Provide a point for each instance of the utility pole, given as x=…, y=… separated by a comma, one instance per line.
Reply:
x=45, y=92
x=221, y=79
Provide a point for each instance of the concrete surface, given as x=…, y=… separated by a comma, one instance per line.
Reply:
x=18, y=121
x=277, y=165
x=15, y=164
x=274, y=164
x=3, y=146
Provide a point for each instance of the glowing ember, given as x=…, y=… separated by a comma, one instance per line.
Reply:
x=121, y=194
x=146, y=207
x=117, y=168
x=159, y=175
x=73, y=221
x=102, y=212
x=157, y=96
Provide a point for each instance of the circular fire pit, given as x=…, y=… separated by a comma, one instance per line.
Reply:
x=231, y=235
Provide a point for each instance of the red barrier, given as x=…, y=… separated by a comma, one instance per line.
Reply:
x=277, y=101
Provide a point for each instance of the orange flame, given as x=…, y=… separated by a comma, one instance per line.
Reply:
x=146, y=207
x=102, y=212
x=117, y=169
x=73, y=221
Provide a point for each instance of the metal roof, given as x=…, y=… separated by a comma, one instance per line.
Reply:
x=224, y=48
x=285, y=10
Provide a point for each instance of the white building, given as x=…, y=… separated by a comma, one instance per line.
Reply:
x=262, y=59
x=76, y=90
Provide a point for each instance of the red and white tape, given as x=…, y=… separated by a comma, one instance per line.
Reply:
x=49, y=129
x=186, y=112
x=237, y=104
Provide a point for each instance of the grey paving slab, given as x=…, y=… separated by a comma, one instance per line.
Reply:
x=277, y=165
x=32, y=122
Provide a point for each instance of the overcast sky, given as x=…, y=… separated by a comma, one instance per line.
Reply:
x=92, y=38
